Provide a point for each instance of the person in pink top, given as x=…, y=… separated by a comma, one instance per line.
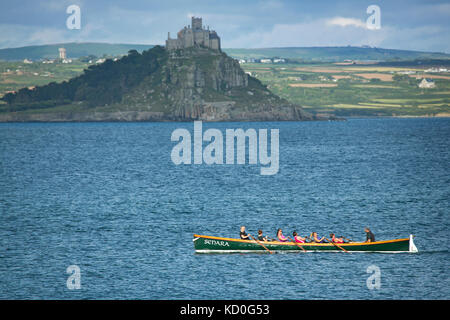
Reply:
x=280, y=236
x=298, y=238
x=336, y=240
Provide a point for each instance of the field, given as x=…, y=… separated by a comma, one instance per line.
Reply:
x=357, y=90
x=16, y=75
x=312, y=85
x=339, y=89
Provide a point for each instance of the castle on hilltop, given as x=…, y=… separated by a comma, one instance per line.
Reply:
x=194, y=36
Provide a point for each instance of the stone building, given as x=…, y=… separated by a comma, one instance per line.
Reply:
x=194, y=35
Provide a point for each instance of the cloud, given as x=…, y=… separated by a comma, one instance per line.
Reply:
x=322, y=33
x=313, y=33
x=270, y=5
x=262, y=23
x=20, y=35
x=345, y=22
x=46, y=35
x=58, y=5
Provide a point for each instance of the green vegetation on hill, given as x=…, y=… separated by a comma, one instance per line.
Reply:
x=74, y=50
x=342, y=89
x=16, y=75
x=333, y=54
x=99, y=85
x=157, y=85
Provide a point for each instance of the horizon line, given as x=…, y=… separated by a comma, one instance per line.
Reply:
x=253, y=48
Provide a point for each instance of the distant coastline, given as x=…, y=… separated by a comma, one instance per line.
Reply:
x=442, y=115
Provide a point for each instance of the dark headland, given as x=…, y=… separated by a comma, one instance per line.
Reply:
x=188, y=79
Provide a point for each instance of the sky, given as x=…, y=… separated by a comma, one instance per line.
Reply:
x=409, y=25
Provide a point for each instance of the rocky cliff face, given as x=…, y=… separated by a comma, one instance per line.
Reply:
x=188, y=84
x=204, y=84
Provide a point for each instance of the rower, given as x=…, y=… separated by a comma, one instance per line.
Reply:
x=315, y=238
x=261, y=237
x=298, y=238
x=280, y=236
x=243, y=234
x=370, y=237
x=335, y=239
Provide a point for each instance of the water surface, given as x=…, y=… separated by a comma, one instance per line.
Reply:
x=107, y=197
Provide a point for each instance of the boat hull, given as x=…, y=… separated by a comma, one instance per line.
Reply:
x=210, y=244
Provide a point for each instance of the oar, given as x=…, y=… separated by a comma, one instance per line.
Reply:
x=336, y=245
x=260, y=244
x=297, y=244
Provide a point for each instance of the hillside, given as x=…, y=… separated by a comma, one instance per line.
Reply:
x=358, y=90
x=157, y=85
x=338, y=89
x=74, y=50
x=331, y=54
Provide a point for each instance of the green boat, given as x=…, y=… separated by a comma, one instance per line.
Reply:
x=210, y=244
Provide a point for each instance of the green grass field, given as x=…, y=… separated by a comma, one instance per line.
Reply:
x=342, y=90
x=358, y=90
x=16, y=75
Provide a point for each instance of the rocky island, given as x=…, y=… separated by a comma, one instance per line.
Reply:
x=188, y=79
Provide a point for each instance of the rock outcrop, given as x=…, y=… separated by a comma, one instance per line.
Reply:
x=204, y=84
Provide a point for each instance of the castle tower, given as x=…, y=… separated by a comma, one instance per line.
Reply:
x=62, y=53
x=196, y=23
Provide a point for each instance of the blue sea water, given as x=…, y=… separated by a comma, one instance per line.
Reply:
x=107, y=198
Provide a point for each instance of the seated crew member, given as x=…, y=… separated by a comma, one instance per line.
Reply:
x=370, y=237
x=315, y=238
x=280, y=236
x=298, y=238
x=261, y=237
x=243, y=234
x=335, y=239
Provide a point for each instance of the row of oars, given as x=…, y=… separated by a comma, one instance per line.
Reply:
x=297, y=244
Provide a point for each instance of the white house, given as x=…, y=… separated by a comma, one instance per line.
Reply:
x=427, y=83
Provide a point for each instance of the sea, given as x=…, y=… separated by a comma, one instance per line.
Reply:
x=100, y=211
